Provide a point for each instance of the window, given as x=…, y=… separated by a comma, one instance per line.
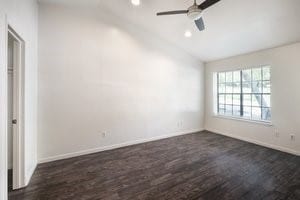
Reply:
x=245, y=93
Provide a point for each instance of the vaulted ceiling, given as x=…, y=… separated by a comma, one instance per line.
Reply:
x=233, y=27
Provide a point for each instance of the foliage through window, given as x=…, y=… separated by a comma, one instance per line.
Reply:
x=245, y=93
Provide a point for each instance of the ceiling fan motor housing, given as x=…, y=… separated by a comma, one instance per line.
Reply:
x=194, y=12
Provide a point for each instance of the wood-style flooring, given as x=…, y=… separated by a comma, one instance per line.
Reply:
x=195, y=166
x=10, y=180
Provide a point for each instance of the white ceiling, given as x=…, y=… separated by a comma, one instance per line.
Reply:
x=233, y=27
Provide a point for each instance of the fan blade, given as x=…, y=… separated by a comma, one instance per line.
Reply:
x=207, y=4
x=200, y=24
x=173, y=12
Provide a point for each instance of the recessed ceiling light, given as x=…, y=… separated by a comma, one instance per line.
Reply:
x=136, y=2
x=188, y=34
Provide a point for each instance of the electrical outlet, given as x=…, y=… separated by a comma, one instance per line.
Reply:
x=179, y=124
x=276, y=133
x=293, y=137
x=103, y=134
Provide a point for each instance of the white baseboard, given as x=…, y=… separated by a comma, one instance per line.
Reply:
x=115, y=146
x=272, y=146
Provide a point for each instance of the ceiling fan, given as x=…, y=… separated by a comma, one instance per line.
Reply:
x=194, y=12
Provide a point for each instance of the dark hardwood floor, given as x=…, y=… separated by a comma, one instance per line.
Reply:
x=195, y=166
x=9, y=180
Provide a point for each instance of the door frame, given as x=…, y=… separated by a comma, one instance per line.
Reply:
x=3, y=107
x=18, y=110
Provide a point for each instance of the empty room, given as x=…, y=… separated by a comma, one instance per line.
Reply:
x=149, y=99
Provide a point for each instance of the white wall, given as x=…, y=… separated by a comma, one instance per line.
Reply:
x=285, y=70
x=3, y=114
x=98, y=73
x=22, y=16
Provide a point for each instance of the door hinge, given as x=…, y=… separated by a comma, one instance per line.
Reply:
x=14, y=121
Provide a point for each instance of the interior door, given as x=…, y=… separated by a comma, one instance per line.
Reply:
x=15, y=121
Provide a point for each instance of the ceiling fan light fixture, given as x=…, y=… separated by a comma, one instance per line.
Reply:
x=194, y=13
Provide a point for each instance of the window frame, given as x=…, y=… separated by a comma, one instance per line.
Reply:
x=241, y=94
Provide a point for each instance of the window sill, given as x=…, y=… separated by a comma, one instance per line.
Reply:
x=264, y=123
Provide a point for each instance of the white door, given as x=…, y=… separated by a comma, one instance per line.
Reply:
x=10, y=90
x=16, y=115
x=15, y=44
x=16, y=122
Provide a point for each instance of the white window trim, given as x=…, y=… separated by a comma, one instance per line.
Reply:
x=264, y=123
x=215, y=99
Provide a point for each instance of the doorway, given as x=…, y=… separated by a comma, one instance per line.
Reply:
x=10, y=80
x=15, y=138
